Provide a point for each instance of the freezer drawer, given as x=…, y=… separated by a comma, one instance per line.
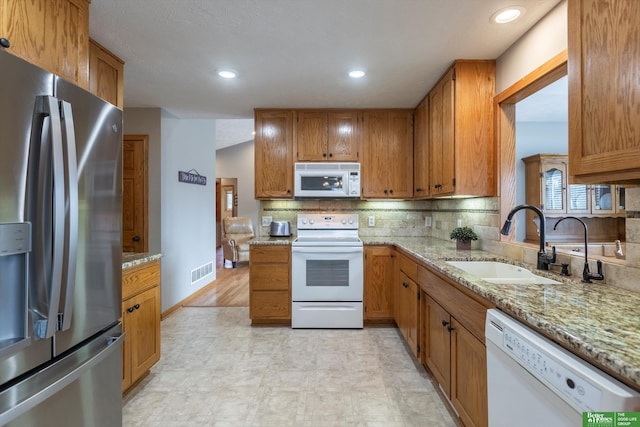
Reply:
x=81, y=389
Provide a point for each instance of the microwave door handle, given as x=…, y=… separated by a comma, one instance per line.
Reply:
x=71, y=223
x=49, y=181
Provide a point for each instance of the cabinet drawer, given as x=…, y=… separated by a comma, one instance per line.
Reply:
x=139, y=278
x=269, y=277
x=270, y=305
x=270, y=254
x=469, y=312
x=409, y=267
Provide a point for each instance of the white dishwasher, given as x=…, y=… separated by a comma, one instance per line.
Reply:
x=531, y=381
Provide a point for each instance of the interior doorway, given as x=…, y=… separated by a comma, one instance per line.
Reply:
x=227, y=203
x=135, y=233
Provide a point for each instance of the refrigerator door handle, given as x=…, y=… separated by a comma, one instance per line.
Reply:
x=71, y=223
x=46, y=326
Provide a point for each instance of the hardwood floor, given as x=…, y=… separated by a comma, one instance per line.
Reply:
x=230, y=289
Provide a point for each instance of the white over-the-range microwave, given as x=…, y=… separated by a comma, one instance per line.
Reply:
x=331, y=180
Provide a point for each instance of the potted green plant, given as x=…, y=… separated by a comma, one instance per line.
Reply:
x=463, y=237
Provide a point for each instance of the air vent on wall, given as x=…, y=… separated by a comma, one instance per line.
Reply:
x=202, y=271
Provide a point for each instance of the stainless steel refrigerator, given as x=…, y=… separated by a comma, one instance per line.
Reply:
x=60, y=251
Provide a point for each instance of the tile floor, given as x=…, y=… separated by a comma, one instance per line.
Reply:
x=217, y=370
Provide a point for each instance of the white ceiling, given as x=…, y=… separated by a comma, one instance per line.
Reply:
x=295, y=53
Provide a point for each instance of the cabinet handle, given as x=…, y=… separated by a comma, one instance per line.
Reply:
x=324, y=154
x=419, y=190
x=130, y=310
x=288, y=191
x=405, y=284
x=386, y=191
x=449, y=328
x=330, y=154
x=137, y=306
x=445, y=323
x=391, y=191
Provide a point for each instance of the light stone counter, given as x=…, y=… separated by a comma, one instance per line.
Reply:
x=597, y=322
x=131, y=259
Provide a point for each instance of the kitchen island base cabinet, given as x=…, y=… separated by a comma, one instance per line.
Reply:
x=140, y=321
x=270, y=284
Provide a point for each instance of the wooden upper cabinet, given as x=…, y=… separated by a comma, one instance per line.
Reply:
x=52, y=34
x=462, y=147
x=327, y=136
x=421, y=150
x=604, y=95
x=106, y=75
x=273, y=154
x=387, y=154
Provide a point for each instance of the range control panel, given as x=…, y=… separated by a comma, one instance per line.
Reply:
x=327, y=221
x=578, y=392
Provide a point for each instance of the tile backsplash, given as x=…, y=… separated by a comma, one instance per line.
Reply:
x=408, y=219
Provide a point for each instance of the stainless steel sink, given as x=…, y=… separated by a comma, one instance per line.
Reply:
x=501, y=273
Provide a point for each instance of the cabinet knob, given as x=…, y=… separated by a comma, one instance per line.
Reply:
x=390, y=191
x=449, y=328
x=419, y=190
x=330, y=154
x=324, y=154
x=405, y=284
x=136, y=238
x=130, y=310
x=445, y=323
x=137, y=306
x=5, y=43
x=386, y=191
x=288, y=191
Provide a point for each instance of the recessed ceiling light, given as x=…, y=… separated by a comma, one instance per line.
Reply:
x=508, y=14
x=356, y=74
x=227, y=74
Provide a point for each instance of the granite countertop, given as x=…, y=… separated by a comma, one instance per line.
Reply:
x=597, y=322
x=131, y=259
x=268, y=240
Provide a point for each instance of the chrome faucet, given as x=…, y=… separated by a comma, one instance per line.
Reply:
x=544, y=259
x=587, y=275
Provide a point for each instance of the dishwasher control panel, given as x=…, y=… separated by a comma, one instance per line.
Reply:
x=575, y=388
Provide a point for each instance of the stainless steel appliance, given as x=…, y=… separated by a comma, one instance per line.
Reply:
x=327, y=276
x=280, y=229
x=532, y=381
x=60, y=252
x=332, y=180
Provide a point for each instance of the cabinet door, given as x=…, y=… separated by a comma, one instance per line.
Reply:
x=52, y=34
x=273, y=154
x=621, y=205
x=311, y=136
x=468, y=376
x=376, y=163
x=438, y=347
x=554, y=184
x=604, y=95
x=412, y=307
x=343, y=141
x=400, y=154
x=603, y=199
x=421, y=150
x=142, y=315
x=441, y=141
x=578, y=199
x=379, y=274
x=106, y=75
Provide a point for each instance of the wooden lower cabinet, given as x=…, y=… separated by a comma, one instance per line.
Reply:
x=269, y=284
x=453, y=348
x=407, y=315
x=140, y=321
x=379, y=278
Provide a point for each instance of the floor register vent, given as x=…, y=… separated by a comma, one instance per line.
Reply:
x=202, y=271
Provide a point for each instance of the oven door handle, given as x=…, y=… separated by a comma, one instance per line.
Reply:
x=327, y=249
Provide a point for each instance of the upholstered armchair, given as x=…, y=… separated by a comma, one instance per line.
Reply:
x=237, y=231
